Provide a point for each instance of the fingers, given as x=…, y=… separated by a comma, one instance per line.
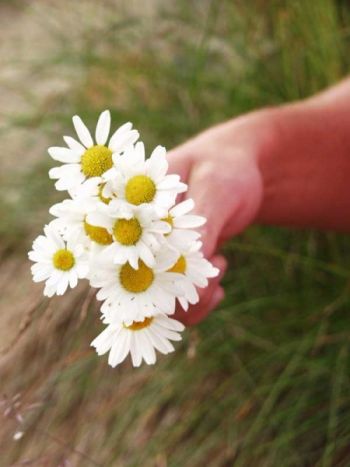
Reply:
x=214, y=200
x=209, y=185
x=180, y=163
x=209, y=297
x=198, y=312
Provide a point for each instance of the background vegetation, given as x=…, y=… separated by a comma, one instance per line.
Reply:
x=265, y=379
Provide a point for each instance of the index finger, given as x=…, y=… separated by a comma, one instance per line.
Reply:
x=180, y=162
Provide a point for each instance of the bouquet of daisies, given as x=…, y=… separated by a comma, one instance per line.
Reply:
x=121, y=229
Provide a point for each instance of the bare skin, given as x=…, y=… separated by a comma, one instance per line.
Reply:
x=288, y=165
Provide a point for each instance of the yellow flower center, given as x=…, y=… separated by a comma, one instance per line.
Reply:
x=63, y=260
x=100, y=194
x=97, y=234
x=179, y=266
x=127, y=231
x=138, y=325
x=136, y=280
x=96, y=160
x=140, y=189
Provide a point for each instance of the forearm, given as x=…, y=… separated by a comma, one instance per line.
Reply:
x=284, y=166
x=306, y=169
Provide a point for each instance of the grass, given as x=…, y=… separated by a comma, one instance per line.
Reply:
x=264, y=380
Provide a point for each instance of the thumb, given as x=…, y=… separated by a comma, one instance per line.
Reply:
x=213, y=200
x=179, y=162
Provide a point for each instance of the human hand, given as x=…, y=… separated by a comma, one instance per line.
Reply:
x=221, y=169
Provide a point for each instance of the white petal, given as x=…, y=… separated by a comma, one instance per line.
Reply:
x=125, y=127
x=119, y=349
x=99, y=219
x=65, y=184
x=83, y=270
x=166, y=333
x=38, y=256
x=64, y=155
x=82, y=132
x=136, y=355
x=102, y=128
x=166, y=258
x=55, y=277
x=189, y=221
x=119, y=142
x=103, y=342
x=183, y=303
x=161, y=227
x=180, y=239
x=49, y=291
x=73, y=280
x=148, y=352
x=120, y=255
x=160, y=343
x=74, y=145
x=170, y=323
x=52, y=234
x=163, y=301
x=42, y=274
x=182, y=208
x=190, y=292
x=146, y=254
x=133, y=258
x=157, y=165
x=62, y=285
x=169, y=182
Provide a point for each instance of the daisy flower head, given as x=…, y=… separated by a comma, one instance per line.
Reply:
x=145, y=182
x=87, y=158
x=58, y=262
x=182, y=224
x=71, y=219
x=132, y=294
x=195, y=271
x=139, y=338
x=136, y=234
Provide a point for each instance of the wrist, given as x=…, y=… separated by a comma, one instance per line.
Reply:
x=305, y=167
x=282, y=165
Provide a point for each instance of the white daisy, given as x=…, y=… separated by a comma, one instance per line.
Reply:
x=140, y=339
x=132, y=294
x=182, y=223
x=136, y=234
x=58, y=262
x=137, y=181
x=71, y=219
x=195, y=271
x=85, y=159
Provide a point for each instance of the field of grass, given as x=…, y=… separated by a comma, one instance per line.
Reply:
x=264, y=381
